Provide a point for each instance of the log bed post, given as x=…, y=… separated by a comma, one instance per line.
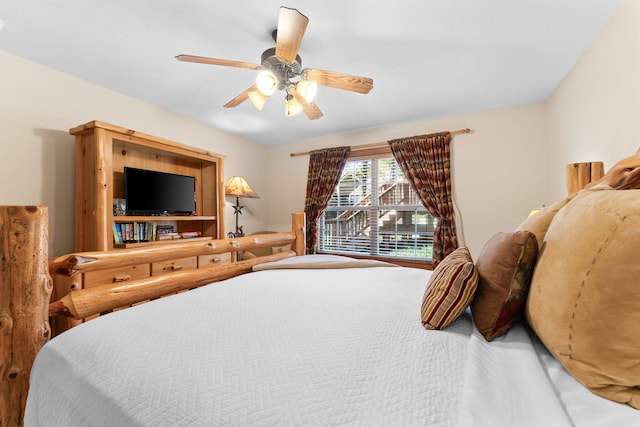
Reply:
x=298, y=228
x=580, y=175
x=25, y=289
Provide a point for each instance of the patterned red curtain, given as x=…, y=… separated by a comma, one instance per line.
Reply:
x=325, y=169
x=426, y=162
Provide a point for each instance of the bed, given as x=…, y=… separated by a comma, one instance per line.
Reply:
x=291, y=339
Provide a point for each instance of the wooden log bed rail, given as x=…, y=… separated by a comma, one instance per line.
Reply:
x=26, y=286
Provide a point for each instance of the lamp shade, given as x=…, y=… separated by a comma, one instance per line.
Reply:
x=291, y=106
x=308, y=90
x=267, y=82
x=257, y=98
x=238, y=186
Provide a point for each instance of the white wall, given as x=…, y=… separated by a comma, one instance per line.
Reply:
x=594, y=113
x=39, y=105
x=499, y=171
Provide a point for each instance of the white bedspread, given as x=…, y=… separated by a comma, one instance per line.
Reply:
x=292, y=347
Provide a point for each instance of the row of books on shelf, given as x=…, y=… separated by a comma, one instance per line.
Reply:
x=135, y=232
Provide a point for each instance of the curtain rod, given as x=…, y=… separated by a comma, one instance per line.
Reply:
x=378, y=144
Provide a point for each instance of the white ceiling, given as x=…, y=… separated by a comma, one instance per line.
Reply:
x=428, y=58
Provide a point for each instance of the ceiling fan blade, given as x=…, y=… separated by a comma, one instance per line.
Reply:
x=240, y=98
x=338, y=80
x=215, y=61
x=310, y=108
x=291, y=27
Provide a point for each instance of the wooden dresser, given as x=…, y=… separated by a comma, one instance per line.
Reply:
x=102, y=153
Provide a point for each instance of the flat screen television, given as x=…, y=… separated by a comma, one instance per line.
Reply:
x=150, y=192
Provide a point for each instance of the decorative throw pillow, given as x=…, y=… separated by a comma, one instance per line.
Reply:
x=504, y=268
x=450, y=290
x=538, y=223
x=584, y=300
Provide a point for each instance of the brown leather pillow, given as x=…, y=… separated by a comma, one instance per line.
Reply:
x=584, y=301
x=504, y=268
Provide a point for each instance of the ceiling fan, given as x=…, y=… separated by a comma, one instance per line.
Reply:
x=281, y=69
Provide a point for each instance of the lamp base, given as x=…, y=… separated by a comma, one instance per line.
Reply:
x=238, y=211
x=238, y=233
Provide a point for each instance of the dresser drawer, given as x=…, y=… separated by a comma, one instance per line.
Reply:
x=210, y=260
x=179, y=264
x=115, y=275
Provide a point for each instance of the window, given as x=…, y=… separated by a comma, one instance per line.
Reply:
x=374, y=211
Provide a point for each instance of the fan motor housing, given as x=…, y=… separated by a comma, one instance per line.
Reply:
x=282, y=69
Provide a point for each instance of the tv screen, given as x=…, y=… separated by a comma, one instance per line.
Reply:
x=158, y=193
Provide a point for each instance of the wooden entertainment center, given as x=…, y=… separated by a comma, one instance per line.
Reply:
x=102, y=152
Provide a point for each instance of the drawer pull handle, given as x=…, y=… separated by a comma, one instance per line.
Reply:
x=214, y=260
x=121, y=278
x=176, y=267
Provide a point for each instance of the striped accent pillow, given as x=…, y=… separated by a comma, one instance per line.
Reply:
x=450, y=290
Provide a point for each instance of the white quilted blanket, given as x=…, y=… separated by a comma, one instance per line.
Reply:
x=278, y=347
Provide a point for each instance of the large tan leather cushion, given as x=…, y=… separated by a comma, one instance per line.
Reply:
x=539, y=223
x=584, y=300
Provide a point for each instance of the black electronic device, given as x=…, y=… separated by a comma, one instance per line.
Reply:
x=150, y=192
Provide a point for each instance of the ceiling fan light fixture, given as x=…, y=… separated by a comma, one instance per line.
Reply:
x=291, y=106
x=257, y=98
x=281, y=69
x=267, y=82
x=308, y=89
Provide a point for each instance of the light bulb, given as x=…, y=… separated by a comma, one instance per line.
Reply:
x=267, y=82
x=291, y=106
x=307, y=89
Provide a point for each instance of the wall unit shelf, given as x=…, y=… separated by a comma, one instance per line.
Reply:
x=129, y=218
x=158, y=242
x=102, y=153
